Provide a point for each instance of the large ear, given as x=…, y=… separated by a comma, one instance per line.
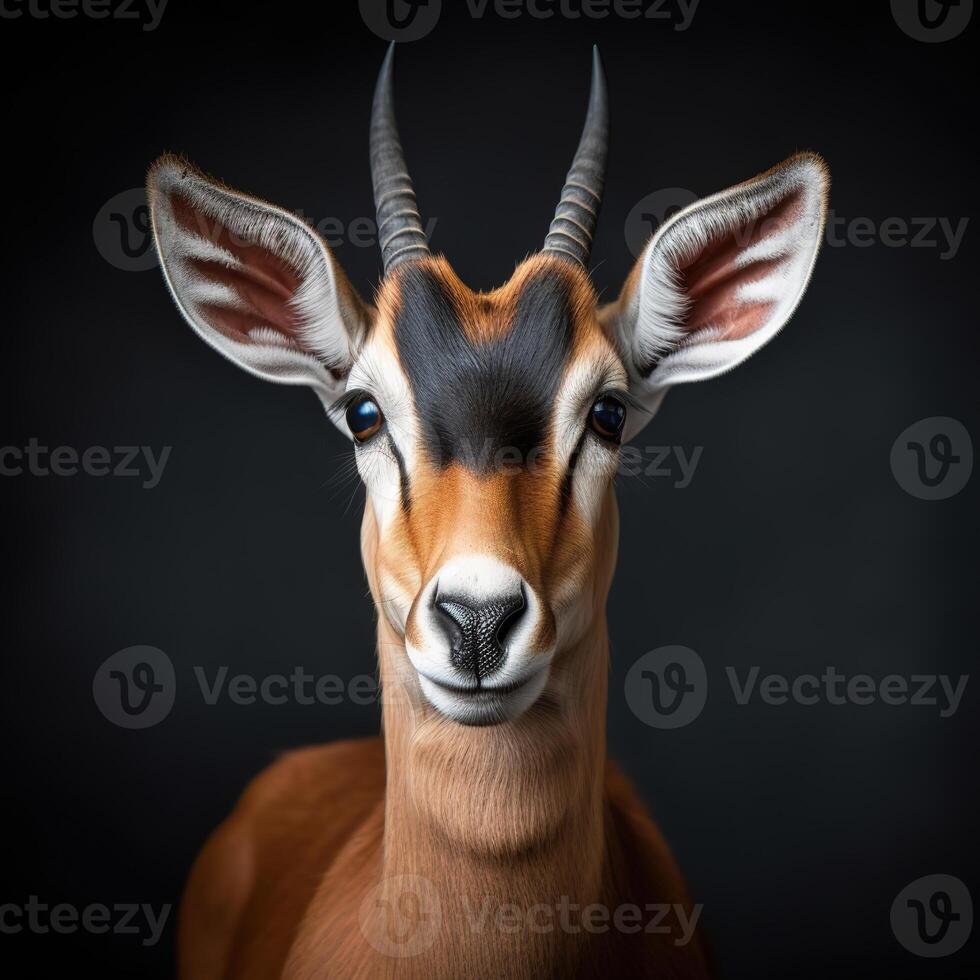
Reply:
x=254, y=281
x=719, y=279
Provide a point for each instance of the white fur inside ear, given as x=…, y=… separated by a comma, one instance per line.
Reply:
x=667, y=337
x=323, y=326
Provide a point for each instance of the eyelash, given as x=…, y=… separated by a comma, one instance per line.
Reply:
x=340, y=406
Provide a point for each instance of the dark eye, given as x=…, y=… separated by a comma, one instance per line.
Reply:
x=363, y=418
x=607, y=417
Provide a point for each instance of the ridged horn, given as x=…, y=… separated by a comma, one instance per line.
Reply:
x=571, y=231
x=400, y=232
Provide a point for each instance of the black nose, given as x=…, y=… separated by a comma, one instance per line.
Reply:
x=477, y=632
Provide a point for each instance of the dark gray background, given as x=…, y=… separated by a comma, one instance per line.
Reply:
x=793, y=548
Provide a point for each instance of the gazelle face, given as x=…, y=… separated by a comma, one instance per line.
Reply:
x=495, y=422
x=486, y=426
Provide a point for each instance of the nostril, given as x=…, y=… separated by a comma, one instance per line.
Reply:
x=452, y=617
x=477, y=631
x=509, y=614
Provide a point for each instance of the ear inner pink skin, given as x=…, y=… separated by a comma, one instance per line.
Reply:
x=264, y=283
x=712, y=279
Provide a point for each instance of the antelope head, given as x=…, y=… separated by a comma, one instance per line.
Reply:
x=486, y=425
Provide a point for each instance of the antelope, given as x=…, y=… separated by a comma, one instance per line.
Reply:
x=486, y=428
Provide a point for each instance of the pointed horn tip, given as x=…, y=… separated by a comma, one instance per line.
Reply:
x=598, y=72
x=382, y=102
x=388, y=62
x=386, y=71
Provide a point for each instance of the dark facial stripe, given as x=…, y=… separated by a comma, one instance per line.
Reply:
x=567, y=480
x=402, y=475
x=487, y=403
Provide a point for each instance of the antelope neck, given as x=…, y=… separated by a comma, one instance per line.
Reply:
x=524, y=798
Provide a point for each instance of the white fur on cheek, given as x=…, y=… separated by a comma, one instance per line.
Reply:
x=596, y=466
x=378, y=373
x=596, y=463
